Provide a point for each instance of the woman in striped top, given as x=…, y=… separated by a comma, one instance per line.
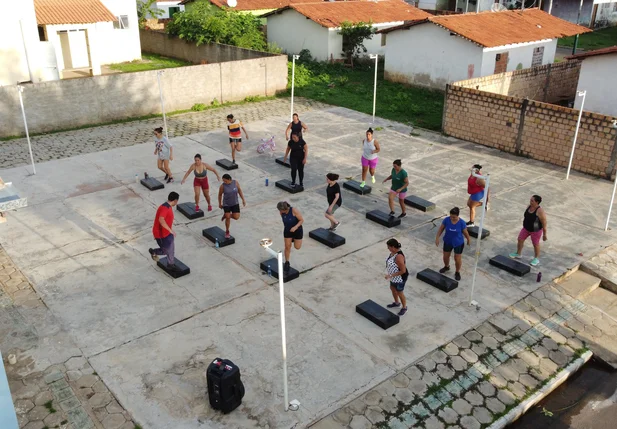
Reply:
x=397, y=274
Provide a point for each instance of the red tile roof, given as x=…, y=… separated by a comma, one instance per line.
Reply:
x=583, y=55
x=257, y=4
x=71, y=12
x=491, y=29
x=333, y=14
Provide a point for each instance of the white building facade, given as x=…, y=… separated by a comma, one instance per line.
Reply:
x=597, y=77
x=168, y=8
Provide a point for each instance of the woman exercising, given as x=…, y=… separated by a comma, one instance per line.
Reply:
x=165, y=153
x=200, y=183
x=292, y=233
x=397, y=274
x=370, y=149
x=475, y=189
x=295, y=126
x=333, y=192
x=228, y=201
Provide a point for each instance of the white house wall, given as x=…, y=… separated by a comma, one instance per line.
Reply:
x=427, y=55
x=293, y=32
x=165, y=5
x=519, y=56
x=55, y=35
x=597, y=77
x=372, y=45
x=119, y=45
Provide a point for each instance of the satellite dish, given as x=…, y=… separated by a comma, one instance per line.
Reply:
x=496, y=7
x=232, y=3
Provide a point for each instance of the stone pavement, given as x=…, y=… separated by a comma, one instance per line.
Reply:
x=60, y=145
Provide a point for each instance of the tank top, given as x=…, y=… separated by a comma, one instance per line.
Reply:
x=234, y=129
x=202, y=174
x=230, y=194
x=532, y=222
x=369, y=146
x=289, y=220
x=392, y=268
x=472, y=185
x=296, y=128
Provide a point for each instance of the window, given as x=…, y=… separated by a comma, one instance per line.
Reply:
x=122, y=23
x=173, y=11
x=42, y=35
x=538, y=55
x=383, y=39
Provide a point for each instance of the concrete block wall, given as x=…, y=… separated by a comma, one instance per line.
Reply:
x=71, y=103
x=550, y=83
x=531, y=128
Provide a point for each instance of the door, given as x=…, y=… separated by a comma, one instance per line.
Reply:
x=79, y=49
x=501, y=63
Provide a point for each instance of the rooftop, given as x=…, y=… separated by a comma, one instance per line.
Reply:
x=71, y=12
x=603, y=51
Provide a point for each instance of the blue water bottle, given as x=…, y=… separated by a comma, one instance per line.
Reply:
x=216, y=243
x=266, y=181
x=269, y=271
x=539, y=278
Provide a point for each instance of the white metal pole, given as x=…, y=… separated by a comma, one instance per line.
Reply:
x=283, y=335
x=376, y=57
x=20, y=89
x=466, y=6
x=578, y=124
x=158, y=77
x=610, y=207
x=479, y=239
x=293, y=84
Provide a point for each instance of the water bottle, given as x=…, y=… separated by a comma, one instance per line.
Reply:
x=266, y=181
x=539, y=278
x=136, y=178
x=216, y=243
x=269, y=271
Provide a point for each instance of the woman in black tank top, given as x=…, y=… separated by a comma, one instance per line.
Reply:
x=534, y=226
x=296, y=127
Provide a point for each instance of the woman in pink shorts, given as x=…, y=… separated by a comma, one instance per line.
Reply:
x=534, y=226
x=400, y=181
x=200, y=183
x=370, y=149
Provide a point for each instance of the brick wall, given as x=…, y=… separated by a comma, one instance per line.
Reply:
x=551, y=83
x=531, y=128
x=70, y=103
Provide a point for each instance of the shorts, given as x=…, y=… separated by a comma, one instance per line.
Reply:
x=235, y=140
x=298, y=235
x=477, y=196
x=535, y=236
x=457, y=249
x=335, y=208
x=232, y=209
x=201, y=183
x=400, y=287
x=163, y=157
x=370, y=163
x=401, y=195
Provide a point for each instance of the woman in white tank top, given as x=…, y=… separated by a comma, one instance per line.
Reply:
x=370, y=149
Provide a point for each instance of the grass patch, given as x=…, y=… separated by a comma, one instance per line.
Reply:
x=341, y=86
x=604, y=38
x=50, y=407
x=149, y=62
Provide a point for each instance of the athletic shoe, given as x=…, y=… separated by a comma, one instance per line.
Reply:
x=301, y=185
x=534, y=262
x=209, y=208
x=402, y=215
x=488, y=207
x=196, y=208
x=403, y=311
x=444, y=269
x=514, y=255
x=335, y=226
x=391, y=213
x=166, y=177
x=394, y=305
x=457, y=276
x=227, y=234
x=146, y=176
x=286, y=267
x=363, y=184
x=173, y=267
x=233, y=161
x=471, y=223
x=153, y=255
x=170, y=180
x=372, y=179
x=292, y=185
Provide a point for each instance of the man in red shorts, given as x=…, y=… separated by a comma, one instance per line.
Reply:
x=534, y=226
x=163, y=234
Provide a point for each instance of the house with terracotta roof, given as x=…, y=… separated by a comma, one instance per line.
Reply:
x=316, y=26
x=597, y=77
x=442, y=49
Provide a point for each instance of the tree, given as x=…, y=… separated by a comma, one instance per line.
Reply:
x=354, y=35
x=204, y=23
x=147, y=9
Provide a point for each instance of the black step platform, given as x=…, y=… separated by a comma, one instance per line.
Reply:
x=437, y=280
x=286, y=186
x=183, y=270
x=215, y=233
x=383, y=218
x=354, y=186
x=380, y=316
x=226, y=164
x=473, y=231
x=510, y=265
x=326, y=237
x=274, y=268
x=188, y=210
x=152, y=184
x=419, y=203
x=283, y=163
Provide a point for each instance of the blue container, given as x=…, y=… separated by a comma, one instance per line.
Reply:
x=266, y=181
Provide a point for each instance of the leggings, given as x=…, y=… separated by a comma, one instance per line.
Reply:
x=297, y=166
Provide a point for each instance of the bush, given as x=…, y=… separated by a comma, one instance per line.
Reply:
x=252, y=98
x=198, y=107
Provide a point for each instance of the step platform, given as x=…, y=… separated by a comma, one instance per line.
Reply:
x=419, y=203
x=226, y=164
x=377, y=314
x=510, y=265
x=383, y=218
x=326, y=237
x=283, y=163
x=152, y=184
x=215, y=233
x=274, y=268
x=188, y=210
x=182, y=271
x=473, y=231
x=354, y=186
x=437, y=280
x=286, y=186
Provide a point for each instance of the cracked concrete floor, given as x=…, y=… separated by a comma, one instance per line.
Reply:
x=83, y=242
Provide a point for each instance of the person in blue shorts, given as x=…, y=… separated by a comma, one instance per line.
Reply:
x=454, y=239
x=475, y=189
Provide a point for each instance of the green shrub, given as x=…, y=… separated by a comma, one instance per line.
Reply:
x=198, y=107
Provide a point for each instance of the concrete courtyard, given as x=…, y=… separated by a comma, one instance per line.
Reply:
x=83, y=243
